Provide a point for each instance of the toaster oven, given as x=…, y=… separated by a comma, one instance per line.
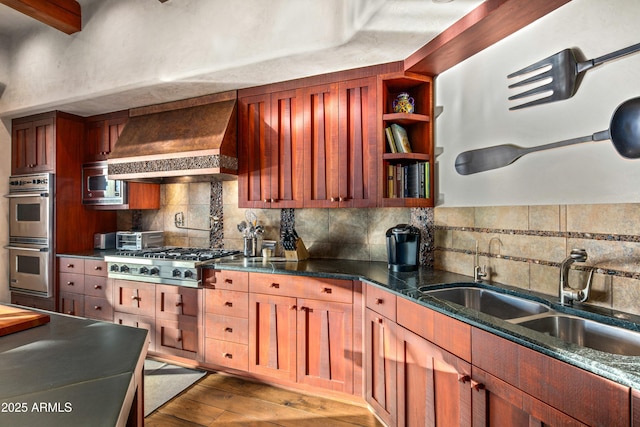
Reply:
x=138, y=240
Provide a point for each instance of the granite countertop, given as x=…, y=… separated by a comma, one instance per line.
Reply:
x=622, y=369
x=69, y=372
x=96, y=254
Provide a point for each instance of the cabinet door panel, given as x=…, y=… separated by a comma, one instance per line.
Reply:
x=325, y=345
x=175, y=301
x=286, y=154
x=357, y=169
x=179, y=338
x=254, y=151
x=272, y=336
x=72, y=304
x=380, y=365
x=135, y=297
x=98, y=308
x=321, y=155
x=136, y=321
x=433, y=385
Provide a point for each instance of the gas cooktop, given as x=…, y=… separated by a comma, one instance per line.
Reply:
x=165, y=265
x=177, y=253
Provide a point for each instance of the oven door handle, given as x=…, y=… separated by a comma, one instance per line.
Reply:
x=22, y=248
x=11, y=196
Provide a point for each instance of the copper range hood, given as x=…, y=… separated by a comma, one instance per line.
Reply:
x=184, y=141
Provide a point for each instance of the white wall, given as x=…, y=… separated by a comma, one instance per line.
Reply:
x=474, y=96
x=5, y=171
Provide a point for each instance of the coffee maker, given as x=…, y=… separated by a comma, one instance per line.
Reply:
x=403, y=247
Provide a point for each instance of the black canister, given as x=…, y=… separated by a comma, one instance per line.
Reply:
x=403, y=247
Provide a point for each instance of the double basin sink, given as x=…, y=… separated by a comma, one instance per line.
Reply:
x=541, y=318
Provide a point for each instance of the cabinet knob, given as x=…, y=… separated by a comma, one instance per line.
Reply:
x=463, y=378
x=97, y=268
x=294, y=307
x=97, y=287
x=229, y=281
x=275, y=285
x=326, y=290
x=70, y=283
x=265, y=200
x=333, y=199
x=476, y=385
x=227, y=355
x=379, y=301
x=97, y=307
x=228, y=329
x=379, y=319
x=70, y=265
x=342, y=199
x=228, y=304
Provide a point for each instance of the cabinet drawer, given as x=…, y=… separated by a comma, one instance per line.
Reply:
x=444, y=331
x=95, y=267
x=271, y=284
x=72, y=304
x=226, y=279
x=227, y=303
x=381, y=301
x=98, y=308
x=334, y=290
x=174, y=301
x=225, y=353
x=97, y=286
x=71, y=265
x=135, y=297
x=136, y=321
x=72, y=282
x=227, y=328
x=179, y=338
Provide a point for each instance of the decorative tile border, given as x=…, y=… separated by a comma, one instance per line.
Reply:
x=216, y=235
x=561, y=234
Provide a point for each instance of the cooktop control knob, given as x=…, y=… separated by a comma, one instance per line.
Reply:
x=154, y=271
x=176, y=273
x=124, y=269
x=115, y=268
x=188, y=274
x=144, y=270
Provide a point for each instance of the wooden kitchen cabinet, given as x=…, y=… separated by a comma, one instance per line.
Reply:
x=419, y=128
x=84, y=288
x=177, y=317
x=553, y=391
x=226, y=323
x=102, y=133
x=270, y=151
x=33, y=144
x=340, y=145
x=301, y=330
x=272, y=336
x=135, y=297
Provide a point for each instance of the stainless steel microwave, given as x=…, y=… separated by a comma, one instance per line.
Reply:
x=98, y=189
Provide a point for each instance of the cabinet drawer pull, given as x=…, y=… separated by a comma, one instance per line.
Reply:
x=227, y=355
x=227, y=329
x=97, y=287
x=228, y=304
x=379, y=301
x=70, y=283
x=275, y=285
x=294, y=307
x=476, y=385
x=379, y=319
x=326, y=290
x=70, y=266
x=97, y=268
x=333, y=199
x=229, y=281
x=463, y=378
x=135, y=297
x=97, y=307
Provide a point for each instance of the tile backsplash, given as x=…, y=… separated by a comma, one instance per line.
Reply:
x=523, y=246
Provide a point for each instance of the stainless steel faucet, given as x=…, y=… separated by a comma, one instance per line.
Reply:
x=567, y=294
x=478, y=273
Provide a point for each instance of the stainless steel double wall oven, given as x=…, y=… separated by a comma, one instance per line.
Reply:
x=30, y=246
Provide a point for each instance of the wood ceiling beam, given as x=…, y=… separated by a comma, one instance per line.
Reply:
x=487, y=24
x=63, y=15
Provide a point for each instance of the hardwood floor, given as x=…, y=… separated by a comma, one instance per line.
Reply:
x=221, y=400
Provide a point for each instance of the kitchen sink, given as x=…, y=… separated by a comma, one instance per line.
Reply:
x=588, y=333
x=488, y=301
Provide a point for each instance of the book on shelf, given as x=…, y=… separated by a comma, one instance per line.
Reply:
x=390, y=141
x=408, y=181
x=401, y=138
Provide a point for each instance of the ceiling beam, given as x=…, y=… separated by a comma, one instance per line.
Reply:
x=487, y=24
x=63, y=15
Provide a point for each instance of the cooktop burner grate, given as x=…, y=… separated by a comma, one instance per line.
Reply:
x=178, y=253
